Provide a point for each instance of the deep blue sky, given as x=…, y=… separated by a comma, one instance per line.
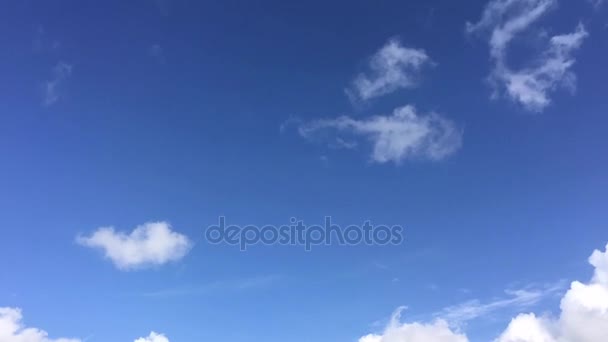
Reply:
x=194, y=133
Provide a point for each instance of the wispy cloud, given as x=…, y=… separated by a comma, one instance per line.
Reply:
x=391, y=68
x=52, y=88
x=152, y=243
x=12, y=329
x=514, y=299
x=596, y=3
x=403, y=134
x=531, y=85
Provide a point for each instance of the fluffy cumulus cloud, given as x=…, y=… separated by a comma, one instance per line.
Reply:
x=438, y=331
x=583, y=317
x=150, y=244
x=584, y=313
x=391, y=68
x=403, y=134
x=13, y=330
x=532, y=84
x=153, y=337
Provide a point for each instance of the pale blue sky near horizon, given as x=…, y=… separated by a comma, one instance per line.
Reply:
x=172, y=111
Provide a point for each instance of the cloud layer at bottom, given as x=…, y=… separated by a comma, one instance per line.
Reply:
x=154, y=337
x=12, y=329
x=583, y=318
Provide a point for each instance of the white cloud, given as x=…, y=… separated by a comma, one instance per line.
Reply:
x=506, y=18
x=583, y=317
x=153, y=337
x=530, y=86
x=153, y=243
x=438, y=331
x=527, y=328
x=52, y=93
x=391, y=68
x=402, y=135
x=13, y=330
x=584, y=313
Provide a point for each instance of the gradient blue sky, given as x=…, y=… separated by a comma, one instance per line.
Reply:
x=171, y=111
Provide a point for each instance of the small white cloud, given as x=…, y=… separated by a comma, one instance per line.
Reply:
x=13, y=330
x=391, y=68
x=395, y=138
x=438, y=331
x=153, y=243
x=153, y=337
x=530, y=86
x=52, y=92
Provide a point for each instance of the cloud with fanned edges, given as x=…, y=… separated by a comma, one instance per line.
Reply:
x=532, y=85
x=583, y=318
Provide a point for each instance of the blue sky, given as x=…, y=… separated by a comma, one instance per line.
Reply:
x=490, y=152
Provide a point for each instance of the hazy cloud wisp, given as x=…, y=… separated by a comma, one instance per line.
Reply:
x=403, y=134
x=52, y=88
x=392, y=67
x=529, y=86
